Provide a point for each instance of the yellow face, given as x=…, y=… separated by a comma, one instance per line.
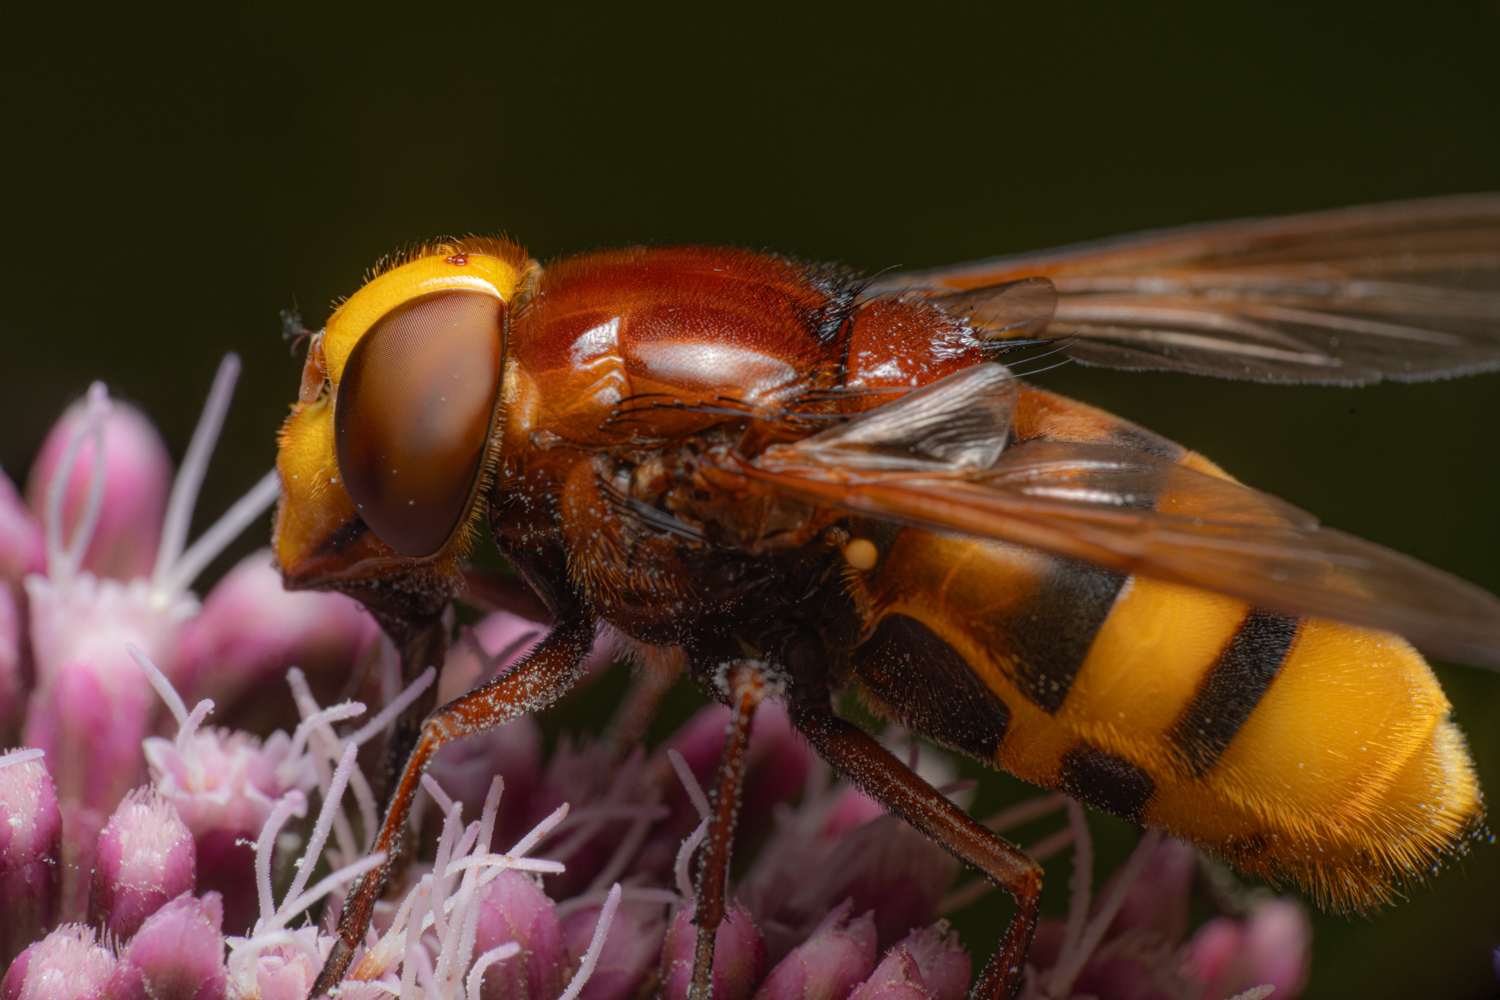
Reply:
x=384, y=456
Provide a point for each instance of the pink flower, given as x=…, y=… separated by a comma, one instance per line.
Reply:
x=739, y=956
x=927, y=964
x=22, y=549
x=178, y=952
x=1272, y=947
x=837, y=956
x=67, y=964
x=145, y=858
x=514, y=908
x=137, y=475
x=251, y=629
x=30, y=843
x=632, y=949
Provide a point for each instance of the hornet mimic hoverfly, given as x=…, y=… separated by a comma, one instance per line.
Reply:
x=788, y=481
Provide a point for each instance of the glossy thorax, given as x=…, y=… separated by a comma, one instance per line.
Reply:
x=619, y=369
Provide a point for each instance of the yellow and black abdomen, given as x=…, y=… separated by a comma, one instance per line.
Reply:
x=1296, y=749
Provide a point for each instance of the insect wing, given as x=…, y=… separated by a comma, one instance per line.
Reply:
x=1121, y=508
x=1407, y=291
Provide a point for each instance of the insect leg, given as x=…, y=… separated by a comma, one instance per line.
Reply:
x=538, y=681
x=489, y=591
x=421, y=642
x=649, y=684
x=748, y=686
x=860, y=759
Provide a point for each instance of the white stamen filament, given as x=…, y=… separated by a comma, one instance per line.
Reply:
x=314, y=852
x=596, y=945
x=413, y=935
x=440, y=872
x=685, y=857
x=78, y=546
x=482, y=964
x=21, y=756
x=629, y=845
x=328, y=883
x=240, y=515
x=1078, y=903
x=334, y=713
x=1255, y=992
x=63, y=562
x=159, y=681
x=689, y=781
x=398, y=704
x=290, y=804
x=331, y=749
x=439, y=795
x=194, y=466
x=1069, y=965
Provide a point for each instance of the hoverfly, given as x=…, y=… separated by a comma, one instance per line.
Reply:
x=784, y=479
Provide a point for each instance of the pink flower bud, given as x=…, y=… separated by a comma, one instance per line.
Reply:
x=928, y=964
x=836, y=957
x=514, y=908
x=145, y=858
x=67, y=964
x=1273, y=946
x=30, y=842
x=1278, y=942
x=137, y=479
x=12, y=683
x=252, y=629
x=22, y=548
x=93, y=703
x=739, y=956
x=630, y=950
x=178, y=954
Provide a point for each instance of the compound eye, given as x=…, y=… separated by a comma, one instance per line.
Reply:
x=413, y=412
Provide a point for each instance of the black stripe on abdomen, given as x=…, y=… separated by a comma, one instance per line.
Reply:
x=931, y=688
x=1105, y=782
x=1231, y=689
x=1049, y=634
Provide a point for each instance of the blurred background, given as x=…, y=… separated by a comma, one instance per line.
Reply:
x=175, y=179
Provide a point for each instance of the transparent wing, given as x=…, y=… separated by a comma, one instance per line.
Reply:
x=1408, y=291
x=1121, y=508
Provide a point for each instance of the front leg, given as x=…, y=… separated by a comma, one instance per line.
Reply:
x=861, y=760
x=538, y=681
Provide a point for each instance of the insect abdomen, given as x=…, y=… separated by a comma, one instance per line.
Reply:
x=1298, y=749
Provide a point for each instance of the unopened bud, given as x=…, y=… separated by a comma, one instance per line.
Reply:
x=178, y=954
x=739, y=956
x=30, y=842
x=927, y=964
x=836, y=957
x=68, y=964
x=146, y=857
x=137, y=480
x=22, y=549
x=252, y=629
x=514, y=908
x=630, y=950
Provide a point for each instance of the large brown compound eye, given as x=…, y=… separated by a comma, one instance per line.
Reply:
x=413, y=413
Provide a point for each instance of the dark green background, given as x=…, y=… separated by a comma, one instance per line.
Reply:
x=170, y=180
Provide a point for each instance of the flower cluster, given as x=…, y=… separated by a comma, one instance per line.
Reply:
x=187, y=814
